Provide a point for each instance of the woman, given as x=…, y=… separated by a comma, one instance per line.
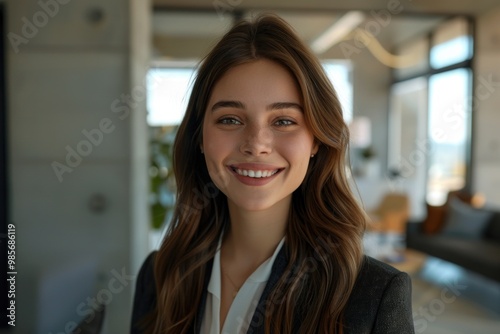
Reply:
x=266, y=235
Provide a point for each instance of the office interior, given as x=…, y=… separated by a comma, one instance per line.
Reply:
x=85, y=174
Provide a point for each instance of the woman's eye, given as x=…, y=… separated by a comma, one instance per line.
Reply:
x=229, y=121
x=284, y=122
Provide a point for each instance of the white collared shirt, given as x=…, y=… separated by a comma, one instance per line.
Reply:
x=244, y=304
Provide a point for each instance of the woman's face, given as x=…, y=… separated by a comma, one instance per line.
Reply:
x=255, y=140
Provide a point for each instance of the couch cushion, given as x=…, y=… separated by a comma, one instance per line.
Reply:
x=436, y=215
x=478, y=255
x=435, y=219
x=462, y=220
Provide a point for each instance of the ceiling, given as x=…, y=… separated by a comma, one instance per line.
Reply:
x=468, y=7
x=188, y=28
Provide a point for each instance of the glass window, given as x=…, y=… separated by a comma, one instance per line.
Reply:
x=451, y=43
x=339, y=73
x=448, y=132
x=168, y=94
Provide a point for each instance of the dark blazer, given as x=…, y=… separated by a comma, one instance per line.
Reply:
x=379, y=304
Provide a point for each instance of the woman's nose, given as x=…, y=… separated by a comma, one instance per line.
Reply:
x=257, y=140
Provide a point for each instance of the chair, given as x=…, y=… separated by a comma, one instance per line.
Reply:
x=391, y=215
x=386, y=228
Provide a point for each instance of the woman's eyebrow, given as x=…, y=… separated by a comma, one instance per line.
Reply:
x=285, y=105
x=241, y=105
x=228, y=104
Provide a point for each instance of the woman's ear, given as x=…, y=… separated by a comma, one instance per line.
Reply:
x=315, y=148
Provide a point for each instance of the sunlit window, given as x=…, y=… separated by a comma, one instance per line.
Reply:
x=451, y=44
x=441, y=155
x=339, y=73
x=449, y=112
x=168, y=94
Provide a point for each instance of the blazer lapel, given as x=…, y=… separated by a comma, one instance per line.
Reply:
x=201, y=307
x=258, y=318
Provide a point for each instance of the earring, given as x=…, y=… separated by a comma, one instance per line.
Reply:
x=312, y=155
x=201, y=150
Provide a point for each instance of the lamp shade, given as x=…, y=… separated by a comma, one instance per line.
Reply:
x=360, y=132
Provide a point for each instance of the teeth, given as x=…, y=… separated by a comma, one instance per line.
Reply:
x=256, y=173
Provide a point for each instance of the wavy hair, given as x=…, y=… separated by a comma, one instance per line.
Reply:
x=323, y=236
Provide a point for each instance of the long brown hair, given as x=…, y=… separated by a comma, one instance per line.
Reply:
x=323, y=236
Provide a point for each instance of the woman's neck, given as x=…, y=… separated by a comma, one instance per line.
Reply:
x=254, y=235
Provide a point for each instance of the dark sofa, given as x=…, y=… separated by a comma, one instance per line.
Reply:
x=480, y=253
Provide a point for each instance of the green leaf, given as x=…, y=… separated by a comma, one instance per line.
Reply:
x=158, y=213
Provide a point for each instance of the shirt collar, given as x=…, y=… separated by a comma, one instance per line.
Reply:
x=261, y=274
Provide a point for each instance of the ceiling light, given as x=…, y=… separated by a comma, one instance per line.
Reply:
x=341, y=28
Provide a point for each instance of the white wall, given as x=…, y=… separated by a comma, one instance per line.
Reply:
x=371, y=82
x=486, y=177
x=63, y=79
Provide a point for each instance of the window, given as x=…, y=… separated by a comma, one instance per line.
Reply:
x=449, y=113
x=168, y=93
x=444, y=109
x=339, y=73
x=451, y=43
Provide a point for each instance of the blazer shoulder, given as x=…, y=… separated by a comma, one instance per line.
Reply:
x=381, y=298
x=145, y=292
x=372, y=268
x=374, y=278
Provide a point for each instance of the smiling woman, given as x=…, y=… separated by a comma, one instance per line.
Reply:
x=257, y=145
x=275, y=247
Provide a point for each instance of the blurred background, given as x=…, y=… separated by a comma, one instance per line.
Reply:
x=92, y=93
